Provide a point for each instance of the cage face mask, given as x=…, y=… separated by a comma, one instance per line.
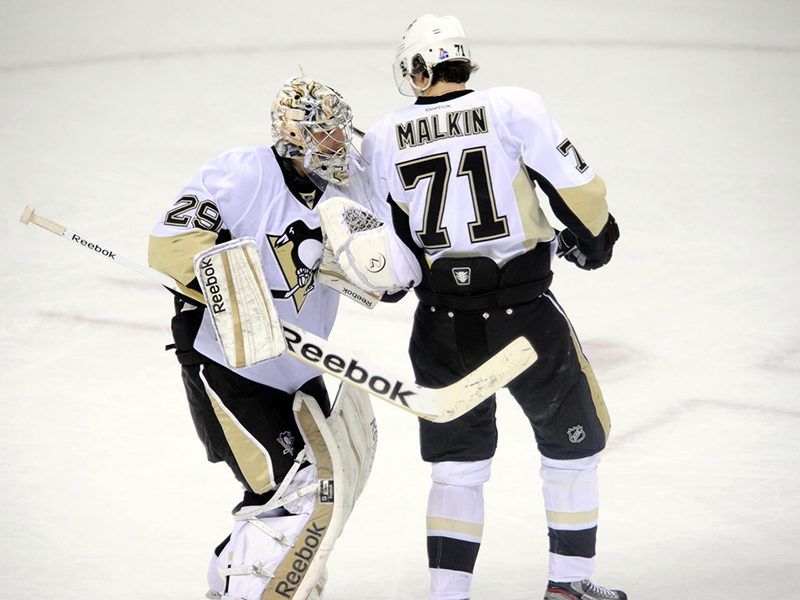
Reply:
x=312, y=121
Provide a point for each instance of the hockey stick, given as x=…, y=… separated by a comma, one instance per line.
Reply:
x=438, y=405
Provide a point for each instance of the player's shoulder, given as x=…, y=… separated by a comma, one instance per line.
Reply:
x=510, y=97
x=382, y=125
x=375, y=137
x=245, y=160
x=237, y=176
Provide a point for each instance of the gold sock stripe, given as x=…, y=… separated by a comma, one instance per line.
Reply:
x=586, y=517
x=455, y=526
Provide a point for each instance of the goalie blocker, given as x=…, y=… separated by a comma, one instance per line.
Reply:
x=239, y=302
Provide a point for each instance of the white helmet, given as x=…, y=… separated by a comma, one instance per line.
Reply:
x=428, y=41
x=312, y=120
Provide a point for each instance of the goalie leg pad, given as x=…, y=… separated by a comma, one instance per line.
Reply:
x=343, y=449
x=239, y=301
x=274, y=556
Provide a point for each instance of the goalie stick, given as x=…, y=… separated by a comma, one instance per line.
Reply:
x=439, y=405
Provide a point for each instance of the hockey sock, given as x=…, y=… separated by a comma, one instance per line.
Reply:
x=455, y=525
x=571, y=501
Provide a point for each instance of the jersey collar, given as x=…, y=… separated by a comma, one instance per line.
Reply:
x=443, y=97
x=302, y=188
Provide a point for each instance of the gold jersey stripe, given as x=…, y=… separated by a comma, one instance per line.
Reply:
x=572, y=518
x=174, y=255
x=252, y=458
x=588, y=203
x=455, y=526
x=534, y=223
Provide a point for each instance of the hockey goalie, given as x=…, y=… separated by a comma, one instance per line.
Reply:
x=242, y=240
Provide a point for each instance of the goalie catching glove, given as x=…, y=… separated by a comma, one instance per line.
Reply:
x=330, y=274
x=368, y=252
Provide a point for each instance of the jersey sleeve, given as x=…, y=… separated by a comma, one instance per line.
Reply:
x=576, y=193
x=379, y=186
x=202, y=215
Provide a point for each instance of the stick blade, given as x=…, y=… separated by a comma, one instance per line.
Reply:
x=497, y=372
x=27, y=214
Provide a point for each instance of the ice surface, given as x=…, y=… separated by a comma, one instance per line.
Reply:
x=687, y=108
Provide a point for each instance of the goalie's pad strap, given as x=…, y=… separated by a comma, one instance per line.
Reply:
x=239, y=302
x=256, y=569
x=276, y=535
x=279, y=497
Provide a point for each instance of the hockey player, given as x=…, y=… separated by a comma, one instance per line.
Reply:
x=272, y=421
x=459, y=169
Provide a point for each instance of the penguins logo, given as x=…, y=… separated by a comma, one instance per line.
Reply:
x=298, y=251
x=286, y=440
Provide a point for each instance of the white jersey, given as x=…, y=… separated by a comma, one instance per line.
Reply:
x=462, y=168
x=241, y=193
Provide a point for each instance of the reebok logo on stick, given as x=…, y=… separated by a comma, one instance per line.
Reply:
x=351, y=370
x=92, y=246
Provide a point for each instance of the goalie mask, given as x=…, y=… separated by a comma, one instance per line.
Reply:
x=312, y=121
x=427, y=42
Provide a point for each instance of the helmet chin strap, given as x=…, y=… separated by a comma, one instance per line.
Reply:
x=418, y=91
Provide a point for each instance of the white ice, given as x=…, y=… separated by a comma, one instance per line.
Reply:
x=688, y=109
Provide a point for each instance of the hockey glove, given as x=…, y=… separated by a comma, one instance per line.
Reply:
x=592, y=253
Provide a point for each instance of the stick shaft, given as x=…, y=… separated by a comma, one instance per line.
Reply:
x=438, y=405
x=100, y=249
x=303, y=345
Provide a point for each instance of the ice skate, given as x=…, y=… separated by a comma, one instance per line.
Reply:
x=581, y=590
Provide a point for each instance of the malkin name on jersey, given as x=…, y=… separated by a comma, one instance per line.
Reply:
x=433, y=128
